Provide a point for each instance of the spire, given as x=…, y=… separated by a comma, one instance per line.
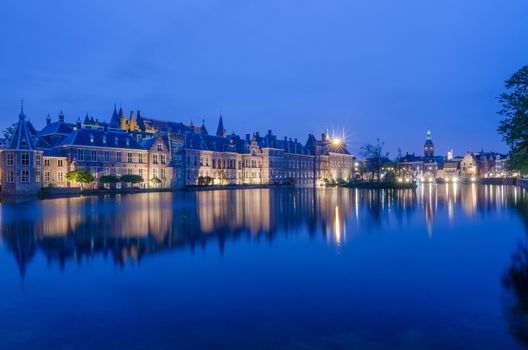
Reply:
x=428, y=137
x=21, y=115
x=220, y=130
x=203, y=129
x=114, y=121
x=48, y=120
x=61, y=117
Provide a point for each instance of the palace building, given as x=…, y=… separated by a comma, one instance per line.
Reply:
x=163, y=154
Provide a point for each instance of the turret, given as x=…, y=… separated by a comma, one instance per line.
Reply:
x=122, y=120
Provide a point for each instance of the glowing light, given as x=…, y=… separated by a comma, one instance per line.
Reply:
x=454, y=179
x=473, y=179
x=336, y=141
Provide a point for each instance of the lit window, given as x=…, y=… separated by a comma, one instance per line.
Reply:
x=91, y=138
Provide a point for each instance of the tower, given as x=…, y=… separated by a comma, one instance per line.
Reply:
x=122, y=120
x=22, y=161
x=428, y=146
x=221, y=131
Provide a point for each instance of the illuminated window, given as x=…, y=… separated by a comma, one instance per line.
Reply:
x=91, y=138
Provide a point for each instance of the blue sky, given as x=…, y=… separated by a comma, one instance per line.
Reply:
x=376, y=69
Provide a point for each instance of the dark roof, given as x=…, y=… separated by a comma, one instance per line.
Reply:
x=24, y=136
x=83, y=137
x=166, y=126
x=230, y=143
x=57, y=127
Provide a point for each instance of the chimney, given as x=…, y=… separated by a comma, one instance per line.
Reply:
x=48, y=120
x=61, y=117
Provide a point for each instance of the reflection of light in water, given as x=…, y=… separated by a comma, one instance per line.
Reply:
x=357, y=204
x=337, y=227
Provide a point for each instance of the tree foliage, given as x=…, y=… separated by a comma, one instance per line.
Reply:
x=155, y=180
x=9, y=131
x=131, y=179
x=514, y=126
x=109, y=179
x=81, y=176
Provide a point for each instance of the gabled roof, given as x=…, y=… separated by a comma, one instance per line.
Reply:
x=100, y=138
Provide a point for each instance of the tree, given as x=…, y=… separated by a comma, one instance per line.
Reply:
x=9, y=131
x=109, y=179
x=155, y=181
x=81, y=176
x=134, y=179
x=374, y=156
x=514, y=126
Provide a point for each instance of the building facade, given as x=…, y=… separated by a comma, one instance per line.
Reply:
x=164, y=154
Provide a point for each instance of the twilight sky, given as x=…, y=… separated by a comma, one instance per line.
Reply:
x=382, y=68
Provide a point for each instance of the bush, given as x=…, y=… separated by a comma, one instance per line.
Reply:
x=155, y=180
x=109, y=179
x=134, y=179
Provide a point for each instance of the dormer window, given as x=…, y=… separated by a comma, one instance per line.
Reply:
x=128, y=141
x=104, y=139
x=116, y=140
x=92, y=138
x=24, y=143
x=160, y=147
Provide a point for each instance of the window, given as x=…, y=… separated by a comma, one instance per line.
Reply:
x=129, y=171
x=104, y=139
x=160, y=147
x=94, y=155
x=130, y=157
x=155, y=172
x=59, y=162
x=163, y=174
x=107, y=171
x=91, y=138
x=128, y=141
x=118, y=156
x=46, y=176
x=140, y=172
x=10, y=176
x=24, y=143
x=60, y=176
x=38, y=160
x=80, y=155
x=140, y=157
x=116, y=141
x=106, y=156
x=118, y=171
x=24, y=160
x=10, y=159
x=154, y=159
x=25, y=176
x=163, y=159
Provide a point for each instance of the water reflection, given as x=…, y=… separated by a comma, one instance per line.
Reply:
x=126, y=228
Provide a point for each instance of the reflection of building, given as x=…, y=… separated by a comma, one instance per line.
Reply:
x=76, y=228
x=164, y=154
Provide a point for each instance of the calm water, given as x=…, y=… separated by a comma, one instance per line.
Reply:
x=442, y=267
